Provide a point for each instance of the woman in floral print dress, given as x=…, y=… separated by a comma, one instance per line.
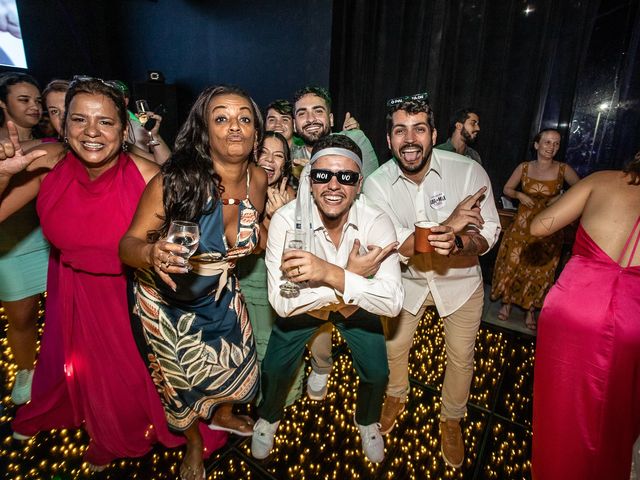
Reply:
x=526, y=265
x=201, y=352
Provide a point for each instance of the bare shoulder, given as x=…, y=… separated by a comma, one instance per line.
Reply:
x=606, y=182
x=53, y=148
x=519, y=168
x=612, y=182
x=258, y=186
x=153, y=193
x=605, y=178
x=148, y=169
x=55, y=153
x=258, y=176
x=155, y=185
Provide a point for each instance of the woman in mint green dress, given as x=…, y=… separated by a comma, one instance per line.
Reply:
x=274, y=158
x=24, y=252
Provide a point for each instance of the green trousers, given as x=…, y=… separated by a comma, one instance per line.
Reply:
x=363, y=333
x=262, y=318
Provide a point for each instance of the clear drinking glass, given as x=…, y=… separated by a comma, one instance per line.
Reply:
x=186, y=234
x=293, y=240
x=142, y=108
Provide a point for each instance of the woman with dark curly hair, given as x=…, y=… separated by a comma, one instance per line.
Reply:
x=526, y=266
x=202, y=353
x=587, y=370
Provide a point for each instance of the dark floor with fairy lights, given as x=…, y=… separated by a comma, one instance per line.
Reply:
x=317, y=440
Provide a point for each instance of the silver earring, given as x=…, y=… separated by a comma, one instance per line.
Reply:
x=124, y=146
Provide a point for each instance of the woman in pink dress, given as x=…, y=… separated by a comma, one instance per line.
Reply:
x=587, y=371
x=89, y=370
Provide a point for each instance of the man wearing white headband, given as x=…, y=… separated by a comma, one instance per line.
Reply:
x=351, y=277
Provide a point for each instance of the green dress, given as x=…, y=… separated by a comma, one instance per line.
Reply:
x=252, y=274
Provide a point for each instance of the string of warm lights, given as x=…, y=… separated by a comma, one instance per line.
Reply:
x=318, y=440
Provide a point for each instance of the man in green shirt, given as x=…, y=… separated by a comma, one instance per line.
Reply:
x=313, y=120
x=465, y=126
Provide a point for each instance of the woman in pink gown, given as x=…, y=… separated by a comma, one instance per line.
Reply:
x=89, y=370
x=587, y=371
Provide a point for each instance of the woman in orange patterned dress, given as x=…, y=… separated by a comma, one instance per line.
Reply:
x=526, y=265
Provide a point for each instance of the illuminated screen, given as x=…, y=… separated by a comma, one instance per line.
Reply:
x=11, y=46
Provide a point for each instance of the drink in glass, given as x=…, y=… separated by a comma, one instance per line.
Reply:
x=186, y=234
x=293, y=240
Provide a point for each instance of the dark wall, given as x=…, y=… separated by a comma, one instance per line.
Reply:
x=606, y=114
x=551, y=66
x=268, y=47
x=525, y=65
x=66, y=37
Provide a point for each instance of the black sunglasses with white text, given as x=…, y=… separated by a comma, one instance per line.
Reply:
x=345, y=177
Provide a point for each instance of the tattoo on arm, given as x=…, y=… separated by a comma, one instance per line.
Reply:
x=547, y=222
x=476, y=244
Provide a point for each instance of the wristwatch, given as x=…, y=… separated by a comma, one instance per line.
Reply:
x=459, y=244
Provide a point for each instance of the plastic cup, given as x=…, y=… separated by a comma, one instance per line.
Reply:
x=422, y=232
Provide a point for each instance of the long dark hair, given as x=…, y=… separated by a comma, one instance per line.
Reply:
x=632, y=169
x=286, y=168
x=9, y=79
x=189, y=176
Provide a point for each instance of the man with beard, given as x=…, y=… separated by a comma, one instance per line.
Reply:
x=313, y=121
x=464, y=128
x=349, y=277
x=421, y=183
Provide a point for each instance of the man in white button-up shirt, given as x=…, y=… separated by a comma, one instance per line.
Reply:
x=420, y=183
x=350, y=277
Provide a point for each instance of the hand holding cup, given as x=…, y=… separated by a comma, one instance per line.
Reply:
x=422, y=232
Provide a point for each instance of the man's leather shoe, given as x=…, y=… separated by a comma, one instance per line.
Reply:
x=392, y=407
x=451, y=443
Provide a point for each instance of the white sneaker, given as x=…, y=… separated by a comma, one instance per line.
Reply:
x=372, y=442
x=21, y=392
x=317, y=385
x=263, y=436
x=20, y=437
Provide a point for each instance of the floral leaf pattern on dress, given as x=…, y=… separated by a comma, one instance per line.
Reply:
x=166, y=390
x=194, y=366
